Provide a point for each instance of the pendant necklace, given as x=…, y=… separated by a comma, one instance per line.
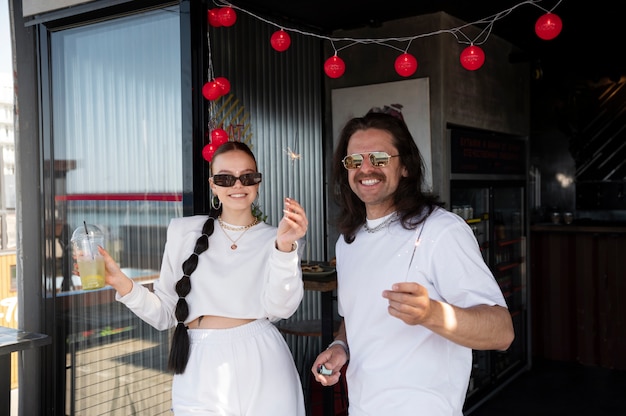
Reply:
x=418, y=240
x=243, y=228
x=379, y=226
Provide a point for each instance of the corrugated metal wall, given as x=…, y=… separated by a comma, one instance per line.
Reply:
x=282, y=92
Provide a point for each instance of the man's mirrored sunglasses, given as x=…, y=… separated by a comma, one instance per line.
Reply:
x=247, y=179
x=377, y=159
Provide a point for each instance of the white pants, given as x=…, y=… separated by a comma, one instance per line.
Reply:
x=243, y=371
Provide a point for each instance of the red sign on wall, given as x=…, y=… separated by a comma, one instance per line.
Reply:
x=478, y=152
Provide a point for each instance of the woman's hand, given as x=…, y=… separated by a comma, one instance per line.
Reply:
x=114, y=275
x=293, y=226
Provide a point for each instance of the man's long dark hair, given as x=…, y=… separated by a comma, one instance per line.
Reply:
x=409, y=199
x=179, y=351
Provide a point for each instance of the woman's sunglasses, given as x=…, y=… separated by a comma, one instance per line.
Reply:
x=247, y=179
x=377, y=159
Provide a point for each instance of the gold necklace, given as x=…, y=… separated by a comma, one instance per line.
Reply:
x=243, y=228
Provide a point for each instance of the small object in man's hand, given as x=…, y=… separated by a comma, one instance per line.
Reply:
x=323, y=370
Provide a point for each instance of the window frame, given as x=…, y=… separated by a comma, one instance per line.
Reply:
x=50, y=367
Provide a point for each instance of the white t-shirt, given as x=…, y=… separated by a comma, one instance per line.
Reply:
x=398, y=369
x=252, y=282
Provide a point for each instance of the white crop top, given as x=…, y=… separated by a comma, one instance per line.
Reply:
x=254, y=281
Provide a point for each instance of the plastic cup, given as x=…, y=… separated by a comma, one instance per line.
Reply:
x=568, y=217
x=555, y=217
x=85, y=242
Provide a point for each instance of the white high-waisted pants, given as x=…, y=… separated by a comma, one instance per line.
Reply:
x=243, y=371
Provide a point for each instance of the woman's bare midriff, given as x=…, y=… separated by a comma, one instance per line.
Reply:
x=217, y=322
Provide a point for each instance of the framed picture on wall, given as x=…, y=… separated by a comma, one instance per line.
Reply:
x=409, y=99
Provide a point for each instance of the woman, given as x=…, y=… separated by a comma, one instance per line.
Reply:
x=225, y=277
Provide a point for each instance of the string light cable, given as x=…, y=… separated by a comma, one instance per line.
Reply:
x=472, y=57
x=457, y=32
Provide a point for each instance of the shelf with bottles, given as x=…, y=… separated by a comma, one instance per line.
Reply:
x=512, y=287
x=464, y=211
x=509, y=253
x=507, y=259
x=468, y=214
x=503, y=266
x=504, y=243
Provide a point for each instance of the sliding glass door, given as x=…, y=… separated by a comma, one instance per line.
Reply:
x=114, y=161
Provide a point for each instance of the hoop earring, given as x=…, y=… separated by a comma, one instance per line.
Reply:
x=219, y=203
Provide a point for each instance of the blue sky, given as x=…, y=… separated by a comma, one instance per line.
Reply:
x=5, y=38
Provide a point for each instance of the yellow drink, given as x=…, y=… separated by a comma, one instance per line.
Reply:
x=91, y=272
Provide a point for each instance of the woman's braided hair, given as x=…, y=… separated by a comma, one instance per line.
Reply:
x=179, y=351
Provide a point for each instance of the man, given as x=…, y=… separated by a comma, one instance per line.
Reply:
x=413, y=289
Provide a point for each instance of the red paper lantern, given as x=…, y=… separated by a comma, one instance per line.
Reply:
x=224, y=84
x=548, y=26
x=406, y=65
x=280, y=40
x=334, y=67
x=208, y=151
x=227, y=16
x=211, y=91
x=472, y=58
x=219, y=137
x=214, y=19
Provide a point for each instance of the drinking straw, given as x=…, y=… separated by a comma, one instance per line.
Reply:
x=87, y=232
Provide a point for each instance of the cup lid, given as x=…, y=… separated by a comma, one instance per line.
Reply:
x=86, y=230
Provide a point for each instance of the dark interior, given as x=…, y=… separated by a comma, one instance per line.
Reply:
x=588, y=52
x=577, y=103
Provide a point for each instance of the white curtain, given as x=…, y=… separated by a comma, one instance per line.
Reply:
x=116, y=105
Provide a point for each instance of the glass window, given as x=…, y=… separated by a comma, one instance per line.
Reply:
x=116, y=140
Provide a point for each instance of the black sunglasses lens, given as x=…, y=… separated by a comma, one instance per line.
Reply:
x=250, y=179
x=224, y=180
